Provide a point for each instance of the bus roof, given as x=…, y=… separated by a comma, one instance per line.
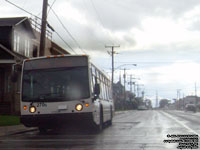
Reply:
x=54, y=56
x=55, y=61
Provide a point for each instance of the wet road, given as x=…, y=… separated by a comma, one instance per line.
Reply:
x=131, y=130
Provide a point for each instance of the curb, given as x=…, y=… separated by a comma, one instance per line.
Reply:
x=12, y=130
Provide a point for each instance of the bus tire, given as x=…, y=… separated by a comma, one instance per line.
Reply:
x=42, y=129
x=99, y=127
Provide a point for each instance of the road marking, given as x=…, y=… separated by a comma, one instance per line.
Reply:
x=179, y=122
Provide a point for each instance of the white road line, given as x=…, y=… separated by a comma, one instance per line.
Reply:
x=180, y=123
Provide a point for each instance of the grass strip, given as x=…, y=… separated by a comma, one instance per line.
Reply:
x=9, y=120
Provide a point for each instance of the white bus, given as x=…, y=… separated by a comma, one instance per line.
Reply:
x=65, y=88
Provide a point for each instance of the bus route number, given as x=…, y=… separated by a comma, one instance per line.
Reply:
x=41, y=104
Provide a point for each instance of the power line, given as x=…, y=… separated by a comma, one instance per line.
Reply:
x=67, y=31
x=41, y=19
x=99, y=18
x=24, y=4
x=88, y=8
x=23, y=9
x=50, y=6
x=65, y=42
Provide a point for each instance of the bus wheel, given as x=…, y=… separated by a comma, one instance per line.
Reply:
x=99, y=127
x=42, y=129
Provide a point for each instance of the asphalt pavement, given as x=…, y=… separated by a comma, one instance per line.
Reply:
x=131, y=130
x=16, y=129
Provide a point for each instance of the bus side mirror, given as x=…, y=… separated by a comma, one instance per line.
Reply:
x=14, y=74
x=96, y=91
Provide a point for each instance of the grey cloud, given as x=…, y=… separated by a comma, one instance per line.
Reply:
x=195, y=25
x=121, y=15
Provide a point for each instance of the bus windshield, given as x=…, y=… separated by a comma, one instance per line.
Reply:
x=58, y=84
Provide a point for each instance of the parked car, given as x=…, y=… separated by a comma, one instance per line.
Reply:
x=190, y=107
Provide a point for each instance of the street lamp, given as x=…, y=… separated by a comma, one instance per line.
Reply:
x=125, y=65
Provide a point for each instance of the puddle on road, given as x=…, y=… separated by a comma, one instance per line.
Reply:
x=125, y=125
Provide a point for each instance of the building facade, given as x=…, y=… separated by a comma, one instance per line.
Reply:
x=181, y=103
x=18, y=40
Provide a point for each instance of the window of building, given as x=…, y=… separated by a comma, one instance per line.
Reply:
x=17, y=44
x=35, y=51
x=27, y=48
x=16, y=41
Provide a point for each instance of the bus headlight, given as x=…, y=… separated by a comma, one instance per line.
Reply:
x=79, y=107
x=32, y=109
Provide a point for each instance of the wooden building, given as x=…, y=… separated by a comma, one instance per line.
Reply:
x=18, y=40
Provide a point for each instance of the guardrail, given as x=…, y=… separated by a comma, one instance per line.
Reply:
x=36, y=25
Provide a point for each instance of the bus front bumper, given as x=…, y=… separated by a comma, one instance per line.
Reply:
x=55, y=119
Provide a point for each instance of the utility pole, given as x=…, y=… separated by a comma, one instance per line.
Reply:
x=131, y=83
x=120, y=77
x=143, y=92
x=43, y=28
x=178, y=94
x=124, y=83
x=134, y=83
x=134, y=88
x=138, y=90
x=112, y=54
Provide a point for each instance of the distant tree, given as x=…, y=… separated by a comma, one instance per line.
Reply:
x=163, y=103
x=148, y=103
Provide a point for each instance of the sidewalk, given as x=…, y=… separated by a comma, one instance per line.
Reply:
x=6, y=130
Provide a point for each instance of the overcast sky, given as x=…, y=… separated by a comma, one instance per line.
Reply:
x=161, y=36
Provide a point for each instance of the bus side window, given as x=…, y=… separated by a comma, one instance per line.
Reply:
x=106, y=89
x=100, y=83
x=93, y=83
x=94, y=80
